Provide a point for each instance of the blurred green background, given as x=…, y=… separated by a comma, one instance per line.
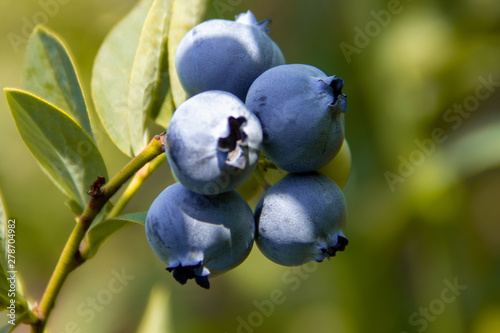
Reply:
x=423, y=197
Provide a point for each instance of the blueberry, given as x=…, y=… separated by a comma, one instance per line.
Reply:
x=226, y=55
x=300, y=219
x=213, y=142
x=301, y=111
x=198, y=236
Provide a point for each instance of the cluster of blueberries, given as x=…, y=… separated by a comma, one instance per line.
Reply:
x=246, y=104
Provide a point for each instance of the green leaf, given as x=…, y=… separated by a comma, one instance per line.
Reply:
x=50, y=73
x=3, y=257
x=74, y=206
x=62, y=148
x=23, y=313
x=185, y=15
x=111, y=75
x=3, y=235
x=149, y=82
x=162, y=115
x=4, y=288
x=6, y=328
x=100, y=232
x=156, y=317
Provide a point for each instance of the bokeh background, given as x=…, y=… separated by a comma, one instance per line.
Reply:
x=424, y=210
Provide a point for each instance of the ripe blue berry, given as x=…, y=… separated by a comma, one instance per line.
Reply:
x=213, y=142
x=301, y=111
x=300, y=219
x=198, y=236
x=226, y=55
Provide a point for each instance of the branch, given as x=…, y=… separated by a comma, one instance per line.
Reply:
x=100, y=194
x=136, y=182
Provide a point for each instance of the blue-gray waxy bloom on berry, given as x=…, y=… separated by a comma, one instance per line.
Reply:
x=301, y=219
x=226, y=55
x=301, y=111
x=199, y=236
x=213, y=142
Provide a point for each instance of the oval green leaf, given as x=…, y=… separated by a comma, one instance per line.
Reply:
x=61, y=146
x=111, y=75
x=100, y=232
x=24, y=314
x=149, y=82
x=3, y=235
x=4, y=301
x=185, y=15
x=162, y=115
x=50, y=73
x=22, y=308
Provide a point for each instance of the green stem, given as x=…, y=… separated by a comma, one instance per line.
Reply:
x=100, y=194
x=136, y=182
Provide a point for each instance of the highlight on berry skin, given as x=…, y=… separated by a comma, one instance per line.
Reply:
x=199, y=236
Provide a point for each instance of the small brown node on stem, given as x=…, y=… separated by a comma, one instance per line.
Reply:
x=35, y=308
x=79, y=258
x=161, y=137
x=95, y=188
